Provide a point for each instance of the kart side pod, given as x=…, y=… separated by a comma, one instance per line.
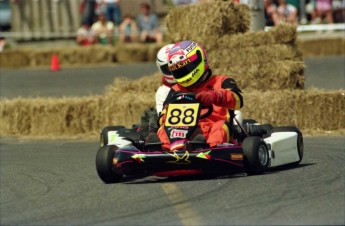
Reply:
x=283, y=148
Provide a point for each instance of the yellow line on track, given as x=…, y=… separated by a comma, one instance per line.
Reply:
x=184, y=209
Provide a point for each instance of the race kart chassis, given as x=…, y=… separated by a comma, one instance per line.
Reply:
x=123, y=152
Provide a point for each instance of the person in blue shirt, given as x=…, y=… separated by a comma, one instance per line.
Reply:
x=148, y=25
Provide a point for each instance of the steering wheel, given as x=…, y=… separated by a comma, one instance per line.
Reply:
x=179, y=97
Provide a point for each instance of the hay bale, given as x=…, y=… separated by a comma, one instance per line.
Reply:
x=282, y=34
x=146, y=84
x=41, y=57
x=275, y=75
x=210, y=19
x=15, y=58
x=74, y=116
x=307, y=110
x=134, y=52
x=153, y=50
x=322, y=46
x=261, y=60
x=102, y=54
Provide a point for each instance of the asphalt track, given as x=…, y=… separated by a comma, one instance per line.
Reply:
x=55, y=183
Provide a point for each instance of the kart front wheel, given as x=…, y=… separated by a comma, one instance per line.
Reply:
x=256, y=157
x=104, y=164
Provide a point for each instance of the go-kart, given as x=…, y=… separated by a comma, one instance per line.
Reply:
x=125, y=152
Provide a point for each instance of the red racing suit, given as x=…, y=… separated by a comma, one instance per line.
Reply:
x=217, y=127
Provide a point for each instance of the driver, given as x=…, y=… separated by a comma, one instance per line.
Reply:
x=168, y=79
x=189, y=65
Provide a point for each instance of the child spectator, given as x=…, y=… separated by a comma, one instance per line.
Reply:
x=323, y=9
x=85, y=36
x=286, y=13
x=148, y=25
x=128, y=29
x=103, y=30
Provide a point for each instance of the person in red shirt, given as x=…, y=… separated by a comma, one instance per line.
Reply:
x=188, y=64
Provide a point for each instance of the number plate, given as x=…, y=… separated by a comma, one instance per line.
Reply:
x=182, y=114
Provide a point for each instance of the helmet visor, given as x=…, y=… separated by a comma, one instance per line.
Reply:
x=188, y=68
x=165, y=69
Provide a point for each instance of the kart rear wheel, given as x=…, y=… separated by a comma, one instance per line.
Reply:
x=104, y=134
x=256, y=157
x=300, y=145
x=104, y=165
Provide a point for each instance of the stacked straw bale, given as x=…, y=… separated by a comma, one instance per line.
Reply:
x=269, y=60
x=136, y=52
x=71, y=116
x=96, y=54
x=27, y=57
x=322, y=46
x=210, y=19
x=15, y=58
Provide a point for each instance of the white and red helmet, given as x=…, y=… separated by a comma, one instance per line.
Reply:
x=162, y=64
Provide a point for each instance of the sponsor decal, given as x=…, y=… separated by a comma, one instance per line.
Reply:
x=112, y=137
x=186, y=81
x=180, y=127
x=180, y=160
x=180, y=64
x=204, y=155
x=191, y=47
x=176, y=55
x=178, y=133
x=195, y=71
x=139, y=158
x=236, y=156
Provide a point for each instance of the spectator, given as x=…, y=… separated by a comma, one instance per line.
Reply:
x=323, y=9
x=87, y=9
x=148, y=25
x=271, y=15
x=112, y=10
x=128, y=29
x=85, y=36
x=287, y=13
x=103, y=30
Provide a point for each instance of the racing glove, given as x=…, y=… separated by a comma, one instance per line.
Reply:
x=206, y=98
x=222, y=97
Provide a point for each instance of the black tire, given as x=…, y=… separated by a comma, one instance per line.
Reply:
x=300, y=145
x=104, y=165
x=104, y=134
x=256, y=156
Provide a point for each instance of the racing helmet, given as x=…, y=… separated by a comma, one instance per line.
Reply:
x=187, y=62
x=162, y=63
